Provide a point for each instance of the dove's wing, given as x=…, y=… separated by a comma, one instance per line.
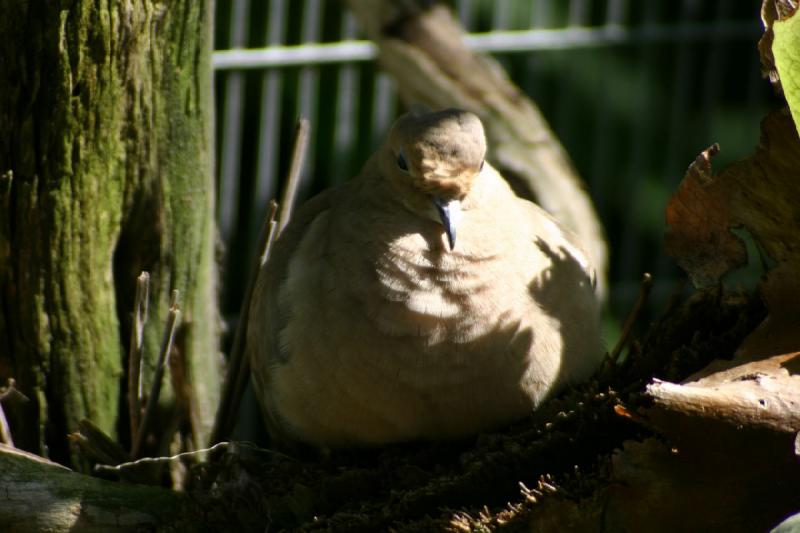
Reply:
x=269, y=314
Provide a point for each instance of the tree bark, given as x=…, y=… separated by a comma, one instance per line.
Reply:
x=422, y=47
x=105, y=170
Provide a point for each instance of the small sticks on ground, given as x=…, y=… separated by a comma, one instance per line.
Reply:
x=135, y=391
x=155, y=389
x=644, y=292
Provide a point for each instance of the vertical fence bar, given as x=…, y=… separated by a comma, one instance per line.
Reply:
x=347, y=97
x=230, y=153
x=384, y=108
x=269, y=130
x=579, y=11
x=629, y=263
x=564, y=118
x=501, y=20
x=540, y=17
x=616, y=11
x=309, y=91
x=712, y=81
x=542, y=14
x=603, y=141
x=501, y=15
x=672, y=166
x=466, y=12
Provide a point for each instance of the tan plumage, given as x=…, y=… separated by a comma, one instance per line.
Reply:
x=366, y=328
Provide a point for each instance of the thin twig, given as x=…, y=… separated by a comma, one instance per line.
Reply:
x=622, y=411
x=238, y=366
x=293, y=177
x=233, y=446
x=243, y=374
x=5, y=430
x=96, y=445
x=11, y=391
x=155, y=388
x=644, y=292
x=8, y=392
x=135, y=350
x=272, y=234
x=157, y=460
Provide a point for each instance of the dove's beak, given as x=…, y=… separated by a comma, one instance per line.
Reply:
x=450, y=216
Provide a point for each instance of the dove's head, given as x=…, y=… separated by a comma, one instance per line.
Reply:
x=432, y=159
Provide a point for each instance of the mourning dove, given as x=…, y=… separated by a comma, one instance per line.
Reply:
x=421, y=300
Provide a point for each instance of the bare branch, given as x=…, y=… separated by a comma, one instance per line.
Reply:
x=96, y=445
x=644, y=292
x=293, y=177
x=155, y=389
x=10, y=391
x=5, y=430
x=239, y=367
x=755, y=394
x=140, y=309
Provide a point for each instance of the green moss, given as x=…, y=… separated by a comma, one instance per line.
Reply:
x=112, y=176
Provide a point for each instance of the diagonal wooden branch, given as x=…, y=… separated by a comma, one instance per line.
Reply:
x=231, y=396
x=96, y=445
x=155, y=388
x=5, y=430
x=644, y=292
x=422, y=47
x=6, y=393
x=140, y=304
x=756, y=394
x=293, y=177
x=239, y=367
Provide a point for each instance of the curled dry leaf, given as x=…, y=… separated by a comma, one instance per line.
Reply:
x=698, y=224
x=759, y=194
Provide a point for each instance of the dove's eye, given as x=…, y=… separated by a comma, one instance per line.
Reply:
x=401, y=161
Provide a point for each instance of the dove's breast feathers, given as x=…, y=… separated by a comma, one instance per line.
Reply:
x=367, y=329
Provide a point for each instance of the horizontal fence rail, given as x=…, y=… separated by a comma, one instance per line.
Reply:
x=508, y=41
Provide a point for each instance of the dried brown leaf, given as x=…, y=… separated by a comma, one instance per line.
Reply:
x=759, y=194
x=698, y=224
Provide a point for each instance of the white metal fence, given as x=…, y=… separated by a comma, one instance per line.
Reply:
x=635, y=89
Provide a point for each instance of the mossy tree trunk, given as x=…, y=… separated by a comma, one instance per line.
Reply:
x=105, y=170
